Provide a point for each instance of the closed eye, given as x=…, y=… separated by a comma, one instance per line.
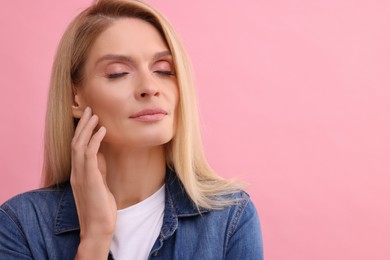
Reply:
x=165, y=72
x=116, y=75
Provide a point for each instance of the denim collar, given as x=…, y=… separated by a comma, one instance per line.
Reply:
x=177, y=205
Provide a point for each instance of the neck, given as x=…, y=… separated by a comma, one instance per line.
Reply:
x=133, y=174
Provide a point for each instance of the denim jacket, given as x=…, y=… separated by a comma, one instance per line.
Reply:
x=43, y=224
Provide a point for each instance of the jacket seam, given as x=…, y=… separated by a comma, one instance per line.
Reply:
x=237, y=214
x=8, y=212
x=172, y=207
x=5, y=208
x=57, y=225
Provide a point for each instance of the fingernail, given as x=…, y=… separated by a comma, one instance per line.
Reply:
x=87, y=110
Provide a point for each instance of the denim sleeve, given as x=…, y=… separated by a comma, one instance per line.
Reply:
x=244, y=234
x=13, y=244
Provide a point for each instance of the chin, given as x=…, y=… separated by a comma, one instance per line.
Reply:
x=144, y=140
x=154, y=141
x=153, y=137
x=140, y=138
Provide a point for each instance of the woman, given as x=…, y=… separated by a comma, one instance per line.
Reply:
x=124, y=172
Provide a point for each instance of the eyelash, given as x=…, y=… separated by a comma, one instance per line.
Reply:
x=119, y=75
x=165, y=72
x=116, y=75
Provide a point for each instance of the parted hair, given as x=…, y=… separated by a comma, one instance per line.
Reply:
x=184, y=153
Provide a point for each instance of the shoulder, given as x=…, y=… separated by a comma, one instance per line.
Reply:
x=237, y=210
x=31, y=222
x=233, y=229
x=37, y=194
x=36, y=199
x=24, y=218
x=29, y=205
x=243, y=232
x=240, y=209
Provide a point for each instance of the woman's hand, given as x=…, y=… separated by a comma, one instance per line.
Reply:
x=96, y=207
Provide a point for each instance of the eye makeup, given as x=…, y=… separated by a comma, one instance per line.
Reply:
x=116, y=75
x=165, y=72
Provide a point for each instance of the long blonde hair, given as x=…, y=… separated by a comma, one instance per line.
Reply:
x=184, y=153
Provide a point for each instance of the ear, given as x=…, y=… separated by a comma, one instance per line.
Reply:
x=78, y=105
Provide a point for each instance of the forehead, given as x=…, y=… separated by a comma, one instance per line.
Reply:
x=128, y=36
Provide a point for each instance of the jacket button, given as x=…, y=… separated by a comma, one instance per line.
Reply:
x=155, y=253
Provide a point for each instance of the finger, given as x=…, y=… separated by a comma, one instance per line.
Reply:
x=93, y=148
x=80, y=144
x=96, y=140
x=102, y=167
x=83, y=121
x=101, y=163
x=86, y=133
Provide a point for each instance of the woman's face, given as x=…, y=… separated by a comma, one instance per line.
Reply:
x=130, y=84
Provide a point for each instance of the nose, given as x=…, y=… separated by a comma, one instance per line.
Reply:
x=147, y=87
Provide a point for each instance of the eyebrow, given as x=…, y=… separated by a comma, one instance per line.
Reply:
x=129, y=59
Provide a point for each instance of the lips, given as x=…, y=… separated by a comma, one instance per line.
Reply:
x=149, y=115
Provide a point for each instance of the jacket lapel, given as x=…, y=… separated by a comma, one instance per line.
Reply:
x=67, y=218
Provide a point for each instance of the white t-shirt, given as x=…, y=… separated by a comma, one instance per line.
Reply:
x=138, y=226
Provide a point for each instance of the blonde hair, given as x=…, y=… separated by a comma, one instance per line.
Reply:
x=184, y=153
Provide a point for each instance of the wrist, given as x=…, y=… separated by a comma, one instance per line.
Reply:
x=93, y=248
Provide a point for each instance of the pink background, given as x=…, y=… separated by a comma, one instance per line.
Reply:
x=294, y=99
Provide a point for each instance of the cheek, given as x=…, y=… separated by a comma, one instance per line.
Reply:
x=175, y=96
x=176, y=106
x=103, y=99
